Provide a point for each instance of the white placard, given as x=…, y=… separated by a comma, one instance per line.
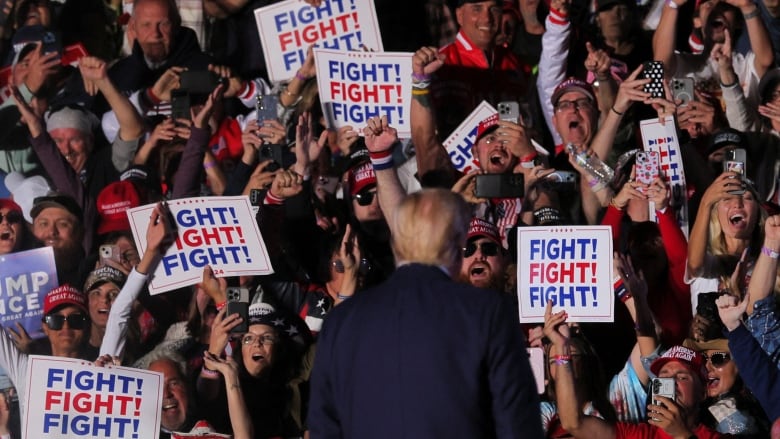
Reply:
x=70, y=398
x=355, y=86
x=288, y=28
x=217, y=231
x=570, y=265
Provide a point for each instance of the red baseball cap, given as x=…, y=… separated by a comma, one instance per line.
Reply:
x=360, y=177
x=64, y=295
x=112, y=204
x=688, y=357
x=479, y=227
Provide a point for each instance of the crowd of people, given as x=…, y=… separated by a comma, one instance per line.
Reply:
x=378, y=243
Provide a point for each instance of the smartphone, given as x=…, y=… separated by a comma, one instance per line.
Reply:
x=562, y=177
x=735, y=162
x=654, y=70
x=266, y=107
x=682, y=89
x=238, y=303
x=198, y=81
x=509, y=111
x=662, y=387
x=180, y=104
x=255, y=197
x=109, y=253
x=647, y=167
x=274, y=153
x=499, y=186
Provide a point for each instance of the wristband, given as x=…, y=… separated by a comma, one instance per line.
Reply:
x=769, y=252
x=248, y=91
x=672, y=4
x=300, y=76
x=152, y=98
x=422, y=85
x=382, y=160
x=421, y=78
x=613, y=204
x=221, y=305
x=752, y=14
x=561, y=359
x=341, y=297
x=621, y=291
x=529, y=157
x=208, y=373
x=209, y=165
x=419, y=92
x=615, y=111
x=271, y=199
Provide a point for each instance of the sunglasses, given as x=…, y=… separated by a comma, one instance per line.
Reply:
x=12, y=217
x=57, y=321
x=717, y=359
x=365, y=198
x=487, y=249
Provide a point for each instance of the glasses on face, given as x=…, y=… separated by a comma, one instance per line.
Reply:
x=11, y=217
x=265, y=339
x=57, y=321
x=487, y=249
x=717, y=359
x=365, y=198
x=583, y=103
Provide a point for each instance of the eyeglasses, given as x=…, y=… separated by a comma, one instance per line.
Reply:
x=265, y=339
x=717, y=359
x=365, y=198
x=487, y=249
x=12, y=217
x=57, y=321
x=583, y=103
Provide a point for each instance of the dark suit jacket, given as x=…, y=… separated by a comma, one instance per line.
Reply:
x=422, y=356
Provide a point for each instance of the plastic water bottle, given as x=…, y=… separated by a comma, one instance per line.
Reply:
x=595, y=167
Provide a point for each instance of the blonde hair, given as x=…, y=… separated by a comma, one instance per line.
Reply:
x=430, y=227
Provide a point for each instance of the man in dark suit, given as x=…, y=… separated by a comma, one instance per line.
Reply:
x=422, y=355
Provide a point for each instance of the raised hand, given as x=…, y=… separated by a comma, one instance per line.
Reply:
x=598, y=62
x=94, y=72
x=286, y=184
x=426, y=61
x=731, y=310
x=379, y=135
x=166, y=83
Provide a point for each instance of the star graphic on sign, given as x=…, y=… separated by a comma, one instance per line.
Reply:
x=320, y=303
x=292, y=330
x=278, y=322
